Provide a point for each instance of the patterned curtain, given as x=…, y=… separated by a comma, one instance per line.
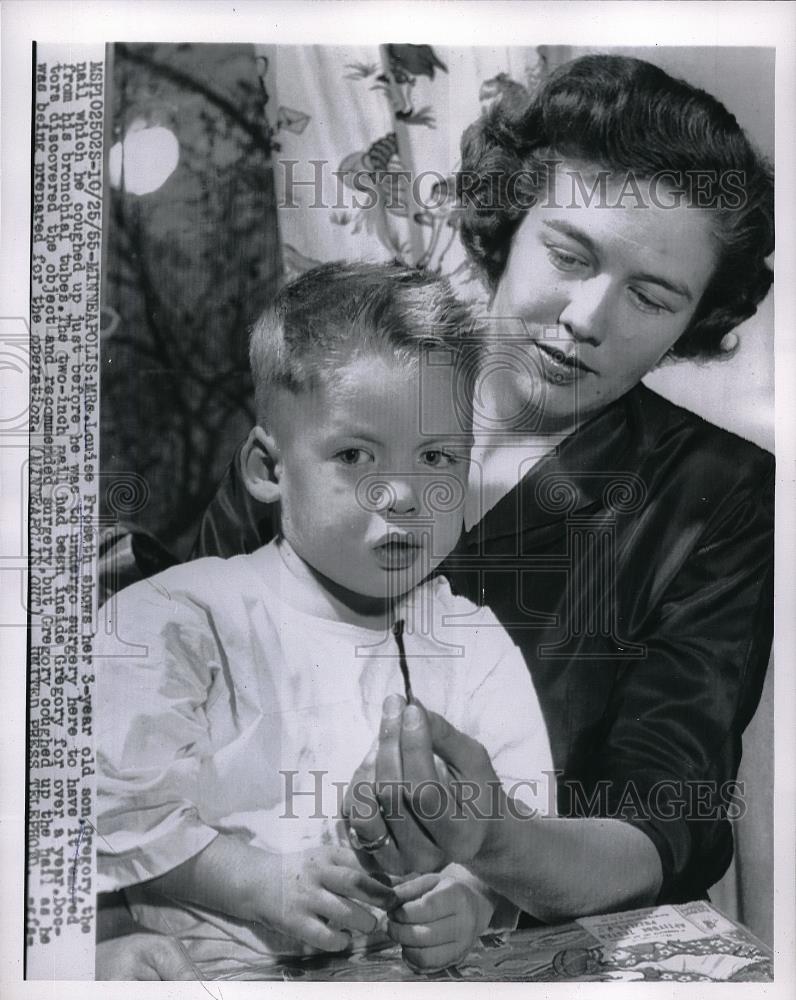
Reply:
x=366, y=142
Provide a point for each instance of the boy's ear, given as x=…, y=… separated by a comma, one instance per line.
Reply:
x=260, y=466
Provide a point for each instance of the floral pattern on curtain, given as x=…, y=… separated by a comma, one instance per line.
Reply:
x=366, y=145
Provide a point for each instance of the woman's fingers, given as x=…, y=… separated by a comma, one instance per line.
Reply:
x=429, y=795
x=389, y=772
x=369, y=828
x=432, y=800
x=364, y=775
x=417, y=851
x=461, y=753
x=363, y=812
x=452, y=812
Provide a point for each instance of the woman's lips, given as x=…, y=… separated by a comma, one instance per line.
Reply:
x=558, y=368
x=397, y=553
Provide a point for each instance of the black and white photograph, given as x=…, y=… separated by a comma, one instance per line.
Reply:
x=399, y=571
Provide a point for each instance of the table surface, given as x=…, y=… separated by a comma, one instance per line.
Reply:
x=689, y=942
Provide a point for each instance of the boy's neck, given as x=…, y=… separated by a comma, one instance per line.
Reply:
x=315, y=594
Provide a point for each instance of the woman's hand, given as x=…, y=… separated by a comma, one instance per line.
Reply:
x=378, y=809
x=553, y=868
x=426, y=794
x=438, y=921
x=459, y=814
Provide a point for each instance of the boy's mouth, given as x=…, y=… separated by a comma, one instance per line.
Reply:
x=397, y=552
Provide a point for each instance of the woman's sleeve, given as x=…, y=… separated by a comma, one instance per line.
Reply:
x=155, y=660
x=669, y=758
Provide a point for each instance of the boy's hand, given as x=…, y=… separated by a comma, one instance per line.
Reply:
x=437, y=921
x=143, y=956
x=317, y=898
x=313, y=896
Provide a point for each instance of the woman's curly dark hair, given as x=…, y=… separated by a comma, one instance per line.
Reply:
x=626, y=116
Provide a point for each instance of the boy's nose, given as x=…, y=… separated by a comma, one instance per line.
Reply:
x=401, y=497
x=383, y=494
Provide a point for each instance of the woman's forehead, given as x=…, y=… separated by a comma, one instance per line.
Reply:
x=631, y=229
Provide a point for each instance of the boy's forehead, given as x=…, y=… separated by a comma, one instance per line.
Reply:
x=415, y=394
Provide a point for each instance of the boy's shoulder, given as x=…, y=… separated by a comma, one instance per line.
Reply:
x=450, y=603
x=207, y=600
x=204, y=582
x=458, y=619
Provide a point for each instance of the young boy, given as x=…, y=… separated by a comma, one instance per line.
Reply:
x=236, y=698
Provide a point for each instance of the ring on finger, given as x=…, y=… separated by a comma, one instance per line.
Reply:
x=368, y=846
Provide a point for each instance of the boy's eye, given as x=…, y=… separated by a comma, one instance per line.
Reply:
x=353, y=456
x=438, y=459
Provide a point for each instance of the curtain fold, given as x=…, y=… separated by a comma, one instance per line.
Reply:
x=367, y=145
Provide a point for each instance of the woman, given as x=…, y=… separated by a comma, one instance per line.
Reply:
x=625, y=543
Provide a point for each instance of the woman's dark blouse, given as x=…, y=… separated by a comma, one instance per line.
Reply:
x=634, y=568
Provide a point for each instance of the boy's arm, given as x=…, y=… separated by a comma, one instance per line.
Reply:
x=156, y=669
x=154, y=658
x=309, y=895
x=228, y=875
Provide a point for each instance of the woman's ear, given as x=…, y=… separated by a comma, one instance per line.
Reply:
x=259, y=461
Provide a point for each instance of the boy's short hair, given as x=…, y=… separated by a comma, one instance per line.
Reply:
x=328, y=316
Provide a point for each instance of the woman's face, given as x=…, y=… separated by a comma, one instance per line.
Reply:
x=596, y=290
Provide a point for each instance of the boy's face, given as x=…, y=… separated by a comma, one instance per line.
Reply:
x=372, y=473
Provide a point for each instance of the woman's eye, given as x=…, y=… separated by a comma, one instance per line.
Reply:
x=353, y=456
x=647, y=304
x=438, y=459
x=564, y=260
